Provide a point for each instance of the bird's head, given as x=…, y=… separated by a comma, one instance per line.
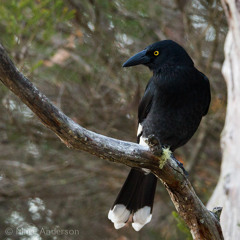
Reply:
x=160, y=53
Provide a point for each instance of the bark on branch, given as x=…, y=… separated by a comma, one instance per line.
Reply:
x=202, y=223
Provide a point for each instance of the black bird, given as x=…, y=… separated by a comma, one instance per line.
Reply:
x=175, y=100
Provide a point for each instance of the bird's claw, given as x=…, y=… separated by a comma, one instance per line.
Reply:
x=154, y=144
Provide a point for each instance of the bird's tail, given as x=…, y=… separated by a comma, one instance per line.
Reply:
x=136, y=198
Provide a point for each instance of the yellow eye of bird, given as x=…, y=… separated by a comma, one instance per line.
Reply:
x=156, y=53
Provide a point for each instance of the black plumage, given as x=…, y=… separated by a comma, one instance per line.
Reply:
x=175, y=100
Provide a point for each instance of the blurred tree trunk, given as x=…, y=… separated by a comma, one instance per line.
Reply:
x=227, y=192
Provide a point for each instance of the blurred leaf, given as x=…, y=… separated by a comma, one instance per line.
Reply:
x=182, y=226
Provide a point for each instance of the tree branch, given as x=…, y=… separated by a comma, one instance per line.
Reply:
x=202, y=223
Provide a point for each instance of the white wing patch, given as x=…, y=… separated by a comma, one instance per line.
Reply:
x=143, y=143
x=139, y=131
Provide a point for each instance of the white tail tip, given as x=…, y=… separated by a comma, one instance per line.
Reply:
x=141, y=217
x=119, y=215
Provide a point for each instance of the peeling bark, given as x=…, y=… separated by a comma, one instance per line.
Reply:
x=227, y=192
x=202, y=223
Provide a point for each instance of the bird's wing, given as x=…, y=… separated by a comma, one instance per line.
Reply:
x=146, y=102
x=192, y=87
x=207, y=93
x=145, y=106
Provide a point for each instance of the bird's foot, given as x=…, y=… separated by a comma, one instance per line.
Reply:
x=181, y=166
x=154, y=145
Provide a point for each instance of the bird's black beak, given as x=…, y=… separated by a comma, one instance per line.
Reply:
x=139, y=58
